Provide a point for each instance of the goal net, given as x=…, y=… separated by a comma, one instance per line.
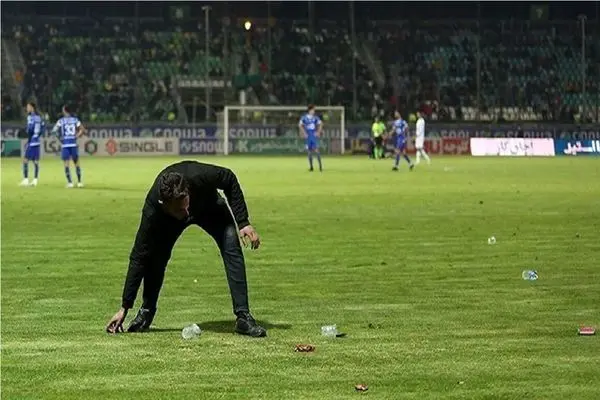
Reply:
x=274, y=129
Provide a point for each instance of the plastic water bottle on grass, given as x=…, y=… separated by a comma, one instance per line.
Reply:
x=329, y=330
x=191, y=331
x=529, y=275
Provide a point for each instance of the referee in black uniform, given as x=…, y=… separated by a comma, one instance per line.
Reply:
x=186, y=194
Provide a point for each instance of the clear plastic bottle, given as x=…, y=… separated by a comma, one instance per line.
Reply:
x=191, y=331
x=329, y=330
x=529, y=275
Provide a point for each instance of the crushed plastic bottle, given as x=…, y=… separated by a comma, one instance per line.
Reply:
x=529, y=275
x=492, y=240
x=191, y=332
x=329, y=330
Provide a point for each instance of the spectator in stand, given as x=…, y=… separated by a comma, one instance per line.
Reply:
x=76, y=60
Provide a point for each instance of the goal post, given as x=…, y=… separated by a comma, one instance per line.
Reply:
x=274, y=129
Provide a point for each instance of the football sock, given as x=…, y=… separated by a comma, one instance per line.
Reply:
x=425, y=156
x=319, y=161
x=36, y=170
x=78, y=171
x=310, y=160
x=25, y=170
x=68, y=174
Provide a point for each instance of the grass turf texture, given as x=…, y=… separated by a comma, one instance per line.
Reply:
x=399, y=261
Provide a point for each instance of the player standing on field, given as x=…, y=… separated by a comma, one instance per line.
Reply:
x=311, y=127
x=420, y=139
x=70, y=129
x=400, y=128
x=35, y=129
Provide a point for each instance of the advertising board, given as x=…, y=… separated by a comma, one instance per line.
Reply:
x=512, y=147
x=577, y=148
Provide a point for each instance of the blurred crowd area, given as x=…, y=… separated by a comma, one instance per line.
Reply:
x=129, y=70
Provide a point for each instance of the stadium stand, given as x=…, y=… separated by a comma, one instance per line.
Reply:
x=126, y=70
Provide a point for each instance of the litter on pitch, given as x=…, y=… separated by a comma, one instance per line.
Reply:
x=304, y=348
x=529, y=275
x=191, y=332
x=361, y=388
x=331, y=331
x=492, y=240
x=586, y=331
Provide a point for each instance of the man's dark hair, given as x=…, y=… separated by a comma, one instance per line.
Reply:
x=32, y=104
x=172, y=186
x=311, y=107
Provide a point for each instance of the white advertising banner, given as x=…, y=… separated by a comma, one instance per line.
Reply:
x=512, y=147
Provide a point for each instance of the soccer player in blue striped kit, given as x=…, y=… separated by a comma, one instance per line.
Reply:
x=35, y=129
x=70, y=129
x=311, y=127
x=400, y=128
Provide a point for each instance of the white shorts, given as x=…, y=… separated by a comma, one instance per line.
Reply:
x=419, y=142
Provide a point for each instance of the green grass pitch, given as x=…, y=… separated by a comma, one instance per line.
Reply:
x=399, y=261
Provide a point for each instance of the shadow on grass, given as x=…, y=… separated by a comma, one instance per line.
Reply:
x=225, y=326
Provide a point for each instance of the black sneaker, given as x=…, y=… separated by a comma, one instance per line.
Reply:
x=395, y=169
x=246, y=325
x=142, y=320
x=412, y=166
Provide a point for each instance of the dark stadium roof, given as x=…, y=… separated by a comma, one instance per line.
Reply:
x=301, y=9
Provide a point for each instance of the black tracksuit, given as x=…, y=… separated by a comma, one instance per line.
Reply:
x=158, y=232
